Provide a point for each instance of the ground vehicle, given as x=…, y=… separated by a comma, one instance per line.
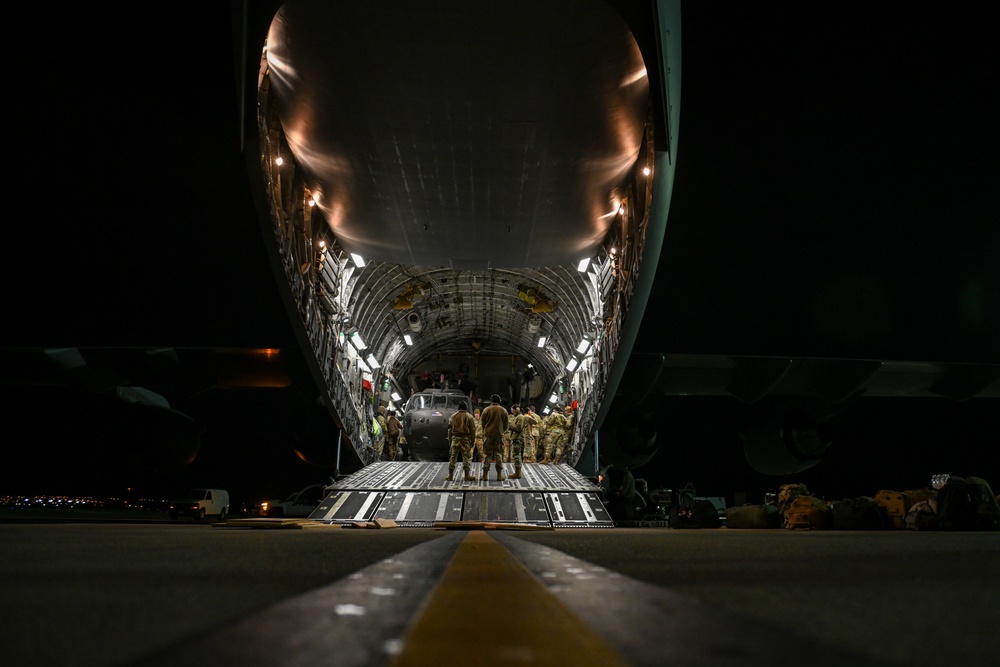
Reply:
x=300, y=503
x=425, y=422
x=199, y=503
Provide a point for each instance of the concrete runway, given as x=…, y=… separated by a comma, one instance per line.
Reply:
x=145, y=594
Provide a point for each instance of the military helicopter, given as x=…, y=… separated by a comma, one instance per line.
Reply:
x=425, y=422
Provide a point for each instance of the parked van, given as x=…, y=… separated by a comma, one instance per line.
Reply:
x=199, y=503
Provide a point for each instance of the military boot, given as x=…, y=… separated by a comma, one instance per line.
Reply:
x=517, y=473
x=451, y=475
x=546, y=460
x=557, y=459
x=500, y=476
x=485, y=477
x=469, y=477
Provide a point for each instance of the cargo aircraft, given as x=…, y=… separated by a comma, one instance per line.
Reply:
x=473, y=196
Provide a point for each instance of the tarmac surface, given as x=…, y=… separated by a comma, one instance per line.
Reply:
x=98, y=593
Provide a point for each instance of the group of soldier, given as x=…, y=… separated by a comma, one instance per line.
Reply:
x=499, y=436
x=494, y=434
x=390, y=436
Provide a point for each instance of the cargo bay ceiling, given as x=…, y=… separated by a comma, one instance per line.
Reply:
x=460, y=178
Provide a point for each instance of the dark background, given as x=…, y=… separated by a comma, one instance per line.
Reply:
x=835, y=196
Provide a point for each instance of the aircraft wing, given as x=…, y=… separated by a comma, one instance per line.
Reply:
x=786, y=406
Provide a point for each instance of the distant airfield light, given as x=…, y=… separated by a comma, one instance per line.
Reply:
x=583, y=265
x=645, y=171
x=279, y=161
x=357, y=341
x=358, y=259
x=407, y=339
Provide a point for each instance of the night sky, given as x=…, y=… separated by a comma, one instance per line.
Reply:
x=835, y=195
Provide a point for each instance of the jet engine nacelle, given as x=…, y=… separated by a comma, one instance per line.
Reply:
x=627, y=439
x=787, y=439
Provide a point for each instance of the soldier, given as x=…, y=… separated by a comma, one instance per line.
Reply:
x=506, y=442
x=495, y=421
x=383, y=428
x=532, y=423
x=556, y=428
x=461, y=428
x=568, y=434
x=516, y=430
x=479, y=435
x=392, y=436
x=404, y=446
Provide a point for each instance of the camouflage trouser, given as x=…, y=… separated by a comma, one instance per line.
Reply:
x=479, y=448
x=461, y=444
x=506, y=448
x=390, y=448
x=555, y=442
x=530, y=453
x=516, y=451
x=493, y=448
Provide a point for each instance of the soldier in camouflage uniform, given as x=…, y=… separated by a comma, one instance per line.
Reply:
x=516, y=430
x=383, y=430
x=461, y=429
x=568, y=435
x=393, y=431
x=556, y=430
x=532, y=424
x=479, y=436
x=495, y=422
x=506, y=444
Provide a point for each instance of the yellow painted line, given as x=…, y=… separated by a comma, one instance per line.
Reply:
x=488, y=609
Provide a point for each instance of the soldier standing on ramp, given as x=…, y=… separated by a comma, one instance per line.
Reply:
x=495, y=421
x=517, y=426
x=461, y=428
